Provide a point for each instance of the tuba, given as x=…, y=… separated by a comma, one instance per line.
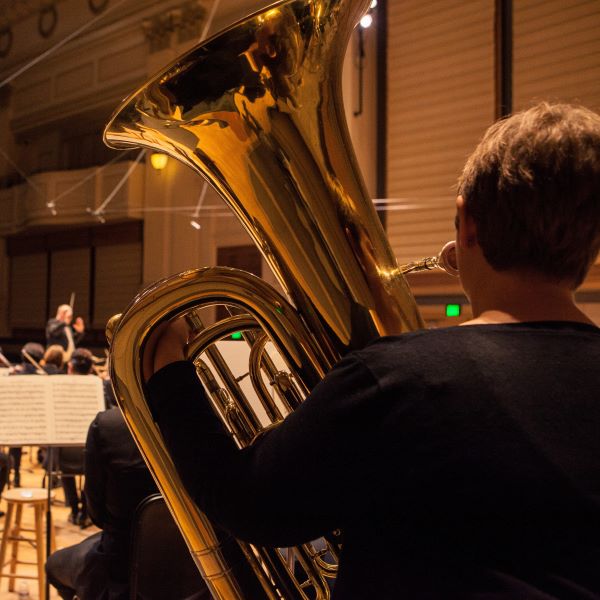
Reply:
x=256, y=110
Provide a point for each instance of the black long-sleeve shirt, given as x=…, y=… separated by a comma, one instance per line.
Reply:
x=116, y=481
x=56, y=334
x=460, y=463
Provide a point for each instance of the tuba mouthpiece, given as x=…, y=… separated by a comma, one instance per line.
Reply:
x=445, y=260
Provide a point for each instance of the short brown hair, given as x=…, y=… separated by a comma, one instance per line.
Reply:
x=532, y=187
x=54, y=355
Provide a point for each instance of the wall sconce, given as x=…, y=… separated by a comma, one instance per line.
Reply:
x=158, y=160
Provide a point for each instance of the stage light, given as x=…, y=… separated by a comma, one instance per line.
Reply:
x=366, y=21
x=158, y=160
x=373, y=4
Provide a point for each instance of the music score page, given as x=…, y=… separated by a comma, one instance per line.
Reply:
x=48, y=410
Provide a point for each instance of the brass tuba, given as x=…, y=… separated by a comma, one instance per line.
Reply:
x=257, y=111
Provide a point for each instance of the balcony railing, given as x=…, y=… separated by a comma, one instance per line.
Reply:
x=65, y=197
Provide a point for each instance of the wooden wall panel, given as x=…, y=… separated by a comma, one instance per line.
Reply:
x=440, y=101
x=556, y=52
x=28, y=280
x=70, y=272
x=118, y=278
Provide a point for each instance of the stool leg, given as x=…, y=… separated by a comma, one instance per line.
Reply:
x=6, y=535
x=14, y=553
x=39, y=546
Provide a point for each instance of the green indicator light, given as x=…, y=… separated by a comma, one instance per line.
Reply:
x=453, y=310
x=237, y=335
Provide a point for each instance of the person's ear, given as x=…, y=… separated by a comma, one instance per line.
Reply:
x=466, y=230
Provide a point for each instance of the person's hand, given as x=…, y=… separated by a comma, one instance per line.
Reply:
x=79, y=325
x=166, y=345
x=65, y=314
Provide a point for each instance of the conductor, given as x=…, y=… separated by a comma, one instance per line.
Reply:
x=62, y=330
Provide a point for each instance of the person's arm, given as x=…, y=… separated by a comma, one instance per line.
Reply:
x=78, y=329
x=78, y=336
x=302, y=479
x=95, y=476
x=54, y=328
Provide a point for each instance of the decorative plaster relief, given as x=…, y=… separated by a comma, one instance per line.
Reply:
x=185, y=20
x=192, y=20
x=158, y=30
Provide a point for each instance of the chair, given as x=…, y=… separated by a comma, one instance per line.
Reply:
x=161, y=565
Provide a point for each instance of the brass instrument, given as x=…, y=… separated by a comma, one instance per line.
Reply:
x=257, y=111
x=445, y=261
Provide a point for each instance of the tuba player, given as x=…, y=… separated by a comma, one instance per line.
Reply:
x=460, y=463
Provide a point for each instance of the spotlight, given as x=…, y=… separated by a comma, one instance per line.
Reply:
x=195, y=224
x=366, y=21
x=158, y=160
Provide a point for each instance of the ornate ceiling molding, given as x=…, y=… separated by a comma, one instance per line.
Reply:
x=14, y=11
x=185, y=20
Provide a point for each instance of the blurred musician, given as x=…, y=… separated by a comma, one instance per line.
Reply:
x=53, y=361
x=116, y=481
x=31, y=355
x=62, y=330
x=461, y=462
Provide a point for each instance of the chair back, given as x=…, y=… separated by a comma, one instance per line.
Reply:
x=161, y=565
x=71, y=460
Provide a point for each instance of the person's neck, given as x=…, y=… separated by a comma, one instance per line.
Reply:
x=513, y=298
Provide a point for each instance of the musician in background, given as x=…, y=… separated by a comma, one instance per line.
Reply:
x=62, y=330
x=116, y=481
x=32, y=354
x=461, y=462
x=53, y=361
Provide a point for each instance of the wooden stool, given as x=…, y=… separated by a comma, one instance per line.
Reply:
x=16, y=499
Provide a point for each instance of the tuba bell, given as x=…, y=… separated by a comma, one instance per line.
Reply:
x=257, y=111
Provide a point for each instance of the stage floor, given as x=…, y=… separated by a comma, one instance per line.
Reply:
x=66, y=533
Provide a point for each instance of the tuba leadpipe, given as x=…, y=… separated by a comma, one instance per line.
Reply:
x=257, y=111
x=445, y=261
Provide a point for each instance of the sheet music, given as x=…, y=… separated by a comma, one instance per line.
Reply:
x=24, y=414
x=53, y=410
x=77, y=399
